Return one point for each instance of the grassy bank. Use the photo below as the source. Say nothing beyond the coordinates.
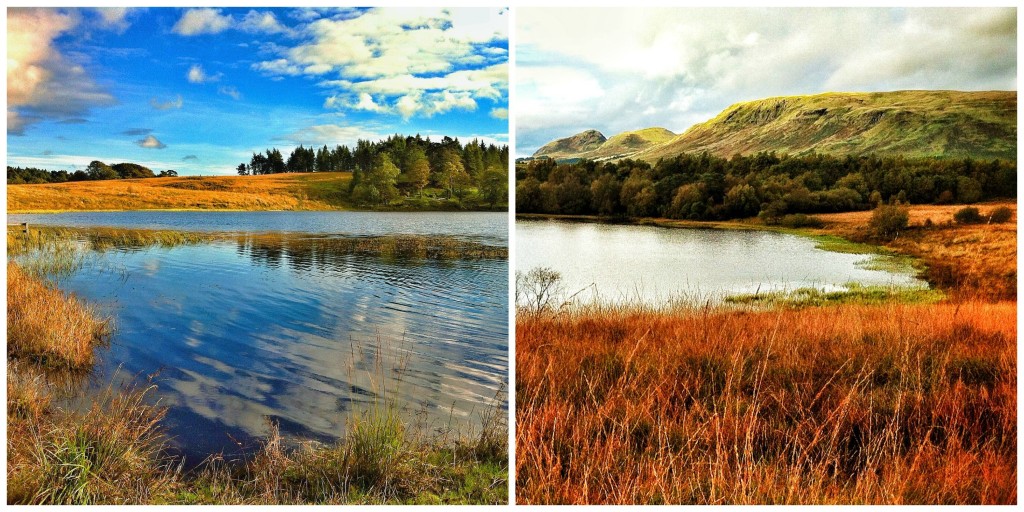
(889, 403)
(288, 191)
(113, 451)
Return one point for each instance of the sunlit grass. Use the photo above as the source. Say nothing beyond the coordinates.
(890, 403)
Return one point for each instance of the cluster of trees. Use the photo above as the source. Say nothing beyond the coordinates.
(385, 170)
(96, 170)
(705, 187)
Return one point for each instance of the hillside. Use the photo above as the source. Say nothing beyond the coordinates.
(952, 124)
(570, 147)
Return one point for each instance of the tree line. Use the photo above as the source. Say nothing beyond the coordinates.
(96, 170)
(769, 185)
(385, 170)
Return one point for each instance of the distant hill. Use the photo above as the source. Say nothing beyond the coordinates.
(572, 147)
(592, 145)
(953, 124)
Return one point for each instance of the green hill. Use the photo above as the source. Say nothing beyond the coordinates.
(951, 124)
(592, 145)
(572, 147)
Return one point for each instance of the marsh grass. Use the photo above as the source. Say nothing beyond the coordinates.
(64, 249)
(885, 404)
(852, 293)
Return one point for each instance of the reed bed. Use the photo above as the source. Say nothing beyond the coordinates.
(880, 404)
(65, 245)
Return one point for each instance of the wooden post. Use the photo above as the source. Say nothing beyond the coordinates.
(24, 227)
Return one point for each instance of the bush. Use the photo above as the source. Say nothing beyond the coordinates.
(888, 220)
(1000, 215)
(968, 215)
(799, 220)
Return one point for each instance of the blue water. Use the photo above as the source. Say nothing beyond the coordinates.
(237, 334)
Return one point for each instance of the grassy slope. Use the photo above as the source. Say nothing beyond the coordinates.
(621, 145)
(912, 123)
(949, 124)
(572, 147)
(850, 403)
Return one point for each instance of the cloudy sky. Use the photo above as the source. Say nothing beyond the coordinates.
(624, 69)
(198, 90)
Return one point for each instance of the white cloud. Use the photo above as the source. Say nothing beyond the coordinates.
(319, 135)
(166, 105)
(114, 18)
(277, 67)
(202, 21)
(499, 113)
(41, 82)
(365, 102)
(483, 83)
(262, 22)
(230, 90)
(196, 75)
(407, 61)
(150, 142)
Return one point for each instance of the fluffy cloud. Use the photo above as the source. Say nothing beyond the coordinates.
(114, 18)
(499, 113)
(196, 75)
(404, 61)
(166, 105)
(41, 82)
(262, 22)
(202, 21)
(621, 69)
(150, 142)
(211, 21)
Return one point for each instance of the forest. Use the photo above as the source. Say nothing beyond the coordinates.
(96, 170)
(383, 170)
(768, 185)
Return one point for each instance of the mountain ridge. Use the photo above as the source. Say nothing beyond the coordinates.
(913, 123)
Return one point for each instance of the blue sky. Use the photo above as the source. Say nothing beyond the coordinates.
(199, 89)
(619, 69)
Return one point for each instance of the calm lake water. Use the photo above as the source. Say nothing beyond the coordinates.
(620, 263)
(235, 333)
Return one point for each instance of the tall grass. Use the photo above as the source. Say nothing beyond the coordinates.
(892, 404)
(48, 327)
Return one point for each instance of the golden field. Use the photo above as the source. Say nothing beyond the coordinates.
(288, 191)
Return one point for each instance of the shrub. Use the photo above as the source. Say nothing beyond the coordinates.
(799, 220)
(1000, 215)
(888, 220)
(968, 215)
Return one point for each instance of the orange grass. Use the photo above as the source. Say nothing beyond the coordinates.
(48, 327)
(891, 404)
(302, 191)
(977, 261)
